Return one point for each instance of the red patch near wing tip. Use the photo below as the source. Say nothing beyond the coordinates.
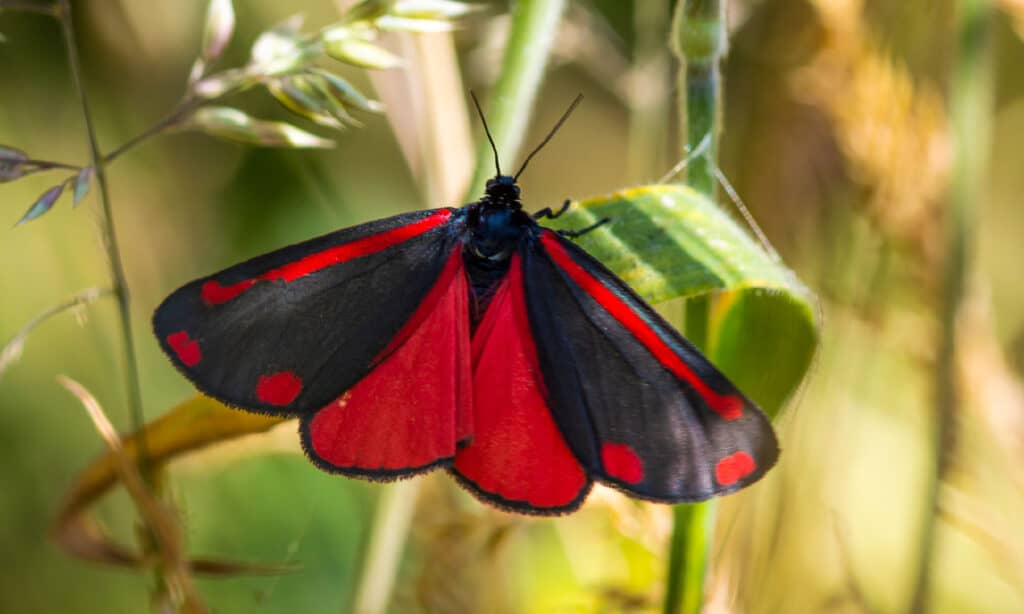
(214, 294)
(278, 388)
(734, 468)
(186, 348)
(621, 461)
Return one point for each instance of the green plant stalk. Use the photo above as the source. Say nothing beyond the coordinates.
(119, 281)
(699, 40)
(533, 27)
(970, 115)
(534, 24)
(648, 102)
(120, 284)
(435, 83)
(392, 520)
(692, 533)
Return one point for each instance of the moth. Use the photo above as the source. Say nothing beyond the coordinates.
(475, 340)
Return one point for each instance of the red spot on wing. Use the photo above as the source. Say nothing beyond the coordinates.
(517, 452)
(416, 403)
(279, 388)
(213, 293)
(187, 349)
(729, 407)
(621, 461)
(734, 468)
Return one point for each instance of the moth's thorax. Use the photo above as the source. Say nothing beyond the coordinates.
(496, 224)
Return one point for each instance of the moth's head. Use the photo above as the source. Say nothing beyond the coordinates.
(502, 189)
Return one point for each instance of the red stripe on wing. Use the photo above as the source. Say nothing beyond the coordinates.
(517, 455)
(729, 407)
(408, 413)
(213, 293)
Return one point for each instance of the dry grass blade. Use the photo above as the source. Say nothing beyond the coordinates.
(853, 586)
(195, 424)
(158, 519)
(982, 527)
(11, 351)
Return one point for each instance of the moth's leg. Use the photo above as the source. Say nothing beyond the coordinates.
(574, 234)
(547, 213)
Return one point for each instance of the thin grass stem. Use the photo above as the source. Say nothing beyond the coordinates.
(534, 24)
(120, 284)
(970, 113)
(699, 40)
(11, 349)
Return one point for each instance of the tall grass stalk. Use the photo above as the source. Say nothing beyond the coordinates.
(970, 114)
(119, 287)
(699, 40)
(534, 23)
(429, 84)
(509, 105)
(119, 280)
(649, 97)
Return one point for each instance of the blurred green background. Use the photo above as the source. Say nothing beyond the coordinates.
(836, 136)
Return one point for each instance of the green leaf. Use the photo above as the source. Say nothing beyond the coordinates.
(220, 24)
(431, 9)
(765, 341)
(280, 49)
(235, 125)
(221, 83)
(671, 241)
(82, 182)
(367, 10)
(309, 96)
(11, 153)
(11, 166)
(358, 52)
(190, 426)
(346, 93)
(43, 204)
(407, 24)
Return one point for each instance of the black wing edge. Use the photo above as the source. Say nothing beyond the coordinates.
(373, 475)
(521, 507)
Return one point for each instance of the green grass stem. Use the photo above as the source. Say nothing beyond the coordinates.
(970, 115)
(699, 40)
(510, 104)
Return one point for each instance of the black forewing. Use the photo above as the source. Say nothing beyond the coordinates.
(323, 329)
(633, 423)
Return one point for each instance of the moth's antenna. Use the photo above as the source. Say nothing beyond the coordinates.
(558, 125)
(497, 167)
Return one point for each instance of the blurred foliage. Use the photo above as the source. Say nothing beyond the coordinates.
(834, 133)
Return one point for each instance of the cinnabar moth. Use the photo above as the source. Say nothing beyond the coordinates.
(476, 340)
